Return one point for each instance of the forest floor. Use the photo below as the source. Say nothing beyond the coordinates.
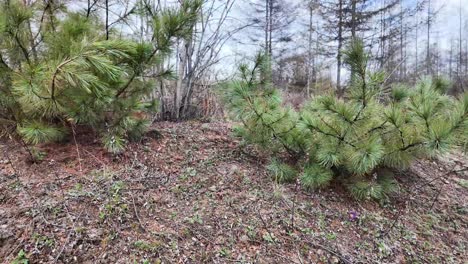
(196, 195)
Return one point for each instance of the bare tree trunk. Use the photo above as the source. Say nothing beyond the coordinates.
(460, 59)
(267, 23)
(383, 41)
(162, 94)
(270, 28)
(353, 19)
(182, 58)
(309, 59)
(436, 56)
(416, 42)
(316, 67)
(428, 49)
(107, 19)
(188, 78)
(466, 67)
(450, 70)
(340, 45)
(402, 34)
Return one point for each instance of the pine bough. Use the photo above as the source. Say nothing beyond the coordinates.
(359, 140)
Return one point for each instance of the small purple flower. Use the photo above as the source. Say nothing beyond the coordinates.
(353, 216)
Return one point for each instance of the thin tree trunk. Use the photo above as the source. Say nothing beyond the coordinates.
(340, 45)
(353, 19)
(270, 49)
(309, 59)
(416, 42)
(402, 57)
(383, 36)
(450, 70)
(107, 19)
(188, 79)
(428, 51)
(460, 59)
(180, 75)
(88, 10)
(267, 23)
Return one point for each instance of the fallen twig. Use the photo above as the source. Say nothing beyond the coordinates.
(136, 213)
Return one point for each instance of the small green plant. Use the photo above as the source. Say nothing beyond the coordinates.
(322, 222)
(114, 206)
(78, 190)
(463, 183)
(224, 252)
(384, 250)
(331, 236)
(147, 246)
(188, 173)
(268, 237)
(43, 240)
(307, 231)
(251, 232)
(195, 219)
(37, 155)
(21, 258)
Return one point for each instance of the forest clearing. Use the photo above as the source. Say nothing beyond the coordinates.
(235, 131)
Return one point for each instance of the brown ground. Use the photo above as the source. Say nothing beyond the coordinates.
(196, 196)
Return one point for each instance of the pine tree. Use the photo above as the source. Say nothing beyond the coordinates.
(79, 75)
(358, 140)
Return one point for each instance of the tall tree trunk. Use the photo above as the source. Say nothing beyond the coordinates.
(428, 48)
(340, 45)
(383, 40)
(450, 66)
(107, 19)
(416, 43)
(88, 9)
(402, 35)
(465, 61)
(310, 65)
(182, 57)
(270, 22)
(460, 59)
(267, 23)
(353, 19)
(188, 79)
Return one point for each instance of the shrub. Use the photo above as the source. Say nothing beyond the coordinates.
(75, 76)
(353, 138)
